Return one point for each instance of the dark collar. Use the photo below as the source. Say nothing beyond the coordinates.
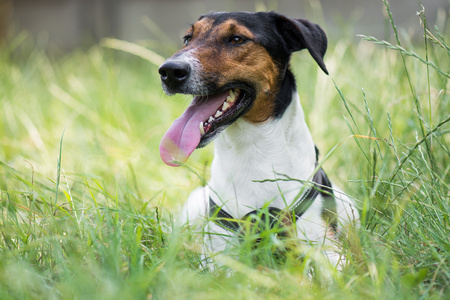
(320, 185)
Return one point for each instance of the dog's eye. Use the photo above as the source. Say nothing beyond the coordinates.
(237, 40)
(187, 39)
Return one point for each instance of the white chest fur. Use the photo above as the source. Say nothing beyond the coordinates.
(246, 153)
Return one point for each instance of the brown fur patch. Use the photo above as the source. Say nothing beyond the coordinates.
(223, 62)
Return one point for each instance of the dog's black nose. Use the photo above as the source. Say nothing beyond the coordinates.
(174, 73)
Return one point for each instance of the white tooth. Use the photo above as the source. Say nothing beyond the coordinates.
(202, 130)
(218, 114)
(231, 99)
(225, 106)
(211, 119)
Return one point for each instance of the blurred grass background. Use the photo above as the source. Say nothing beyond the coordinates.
(87, 206)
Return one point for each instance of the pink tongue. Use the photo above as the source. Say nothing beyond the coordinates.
(184, 135)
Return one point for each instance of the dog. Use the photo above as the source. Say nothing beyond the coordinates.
(237, 67)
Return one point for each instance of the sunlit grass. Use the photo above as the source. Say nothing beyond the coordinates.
(90, 123)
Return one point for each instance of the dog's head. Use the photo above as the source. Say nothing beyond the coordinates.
(234, 64)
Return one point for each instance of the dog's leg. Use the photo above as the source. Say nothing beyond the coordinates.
(195, 215)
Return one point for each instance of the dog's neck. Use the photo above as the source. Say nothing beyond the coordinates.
(246, 152)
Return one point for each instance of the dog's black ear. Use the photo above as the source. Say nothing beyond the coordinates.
(301, 34)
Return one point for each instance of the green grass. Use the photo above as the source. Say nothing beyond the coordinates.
(87, 207)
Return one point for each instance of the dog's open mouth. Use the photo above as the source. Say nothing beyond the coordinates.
(205, 117)
(226, 114)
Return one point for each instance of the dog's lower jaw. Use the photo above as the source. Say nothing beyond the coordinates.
(246, 153)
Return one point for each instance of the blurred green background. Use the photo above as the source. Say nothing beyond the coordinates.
(87, 207)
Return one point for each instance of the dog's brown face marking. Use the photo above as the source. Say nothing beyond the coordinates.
(230, 52)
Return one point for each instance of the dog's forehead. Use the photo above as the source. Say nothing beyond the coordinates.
(251, 23)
